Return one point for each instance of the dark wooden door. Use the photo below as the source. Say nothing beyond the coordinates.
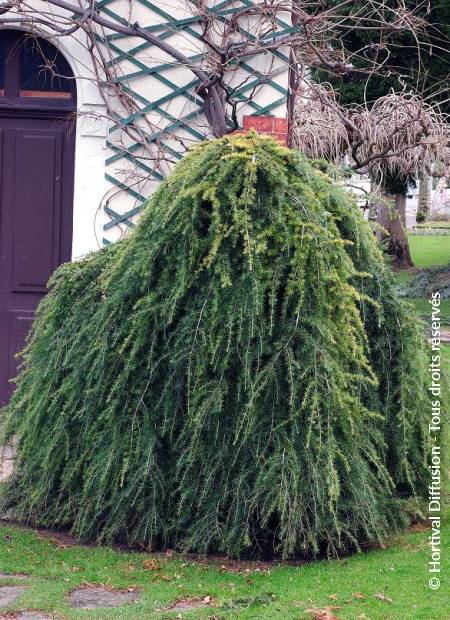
(35, 225)
(37, 143)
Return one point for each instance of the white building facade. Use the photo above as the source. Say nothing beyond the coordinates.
(147, 97)
(93, 118)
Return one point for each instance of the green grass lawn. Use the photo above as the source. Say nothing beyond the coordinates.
(445, 350)
(426, 252)
(404, 276)
(423, 308)
(388, 584)
(430, 251)
(437, 224)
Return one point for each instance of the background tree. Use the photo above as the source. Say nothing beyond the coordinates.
(402, 65)
(401, 59)
(396, 139)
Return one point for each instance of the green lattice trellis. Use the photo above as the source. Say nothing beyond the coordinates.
(161, 72)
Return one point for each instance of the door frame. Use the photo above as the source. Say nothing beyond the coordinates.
(91, 187)
(61, 110)
(23, 111)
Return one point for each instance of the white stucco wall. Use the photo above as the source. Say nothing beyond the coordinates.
(90, 153)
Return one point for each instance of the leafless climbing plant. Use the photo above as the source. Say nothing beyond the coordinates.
(231, 47)
(244, 33)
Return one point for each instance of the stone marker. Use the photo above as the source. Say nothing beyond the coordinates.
(28, 615)
(8, 594)
(91, 598)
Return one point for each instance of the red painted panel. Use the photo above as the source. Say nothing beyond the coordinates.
(268, 125)
(263, 124)
(280, 125)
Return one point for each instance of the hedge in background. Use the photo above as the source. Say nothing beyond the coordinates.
(236, 376)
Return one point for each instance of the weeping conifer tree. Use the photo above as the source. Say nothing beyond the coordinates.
(236, 376)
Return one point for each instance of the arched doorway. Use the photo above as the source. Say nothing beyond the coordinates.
(37, 145)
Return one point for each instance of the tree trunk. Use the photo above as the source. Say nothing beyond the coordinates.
(392, 218)
(293, 82)
(423, 208)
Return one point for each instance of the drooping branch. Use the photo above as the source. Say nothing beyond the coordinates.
(398, 135)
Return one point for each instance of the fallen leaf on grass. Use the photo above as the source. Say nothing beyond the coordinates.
(383, 597)
(323, 614)
(91, 584)
(151, 565)
(358, 595)
(59, 539)
(188, 604)
(56, 542)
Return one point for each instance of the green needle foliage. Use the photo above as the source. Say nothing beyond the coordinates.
(236, 376)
